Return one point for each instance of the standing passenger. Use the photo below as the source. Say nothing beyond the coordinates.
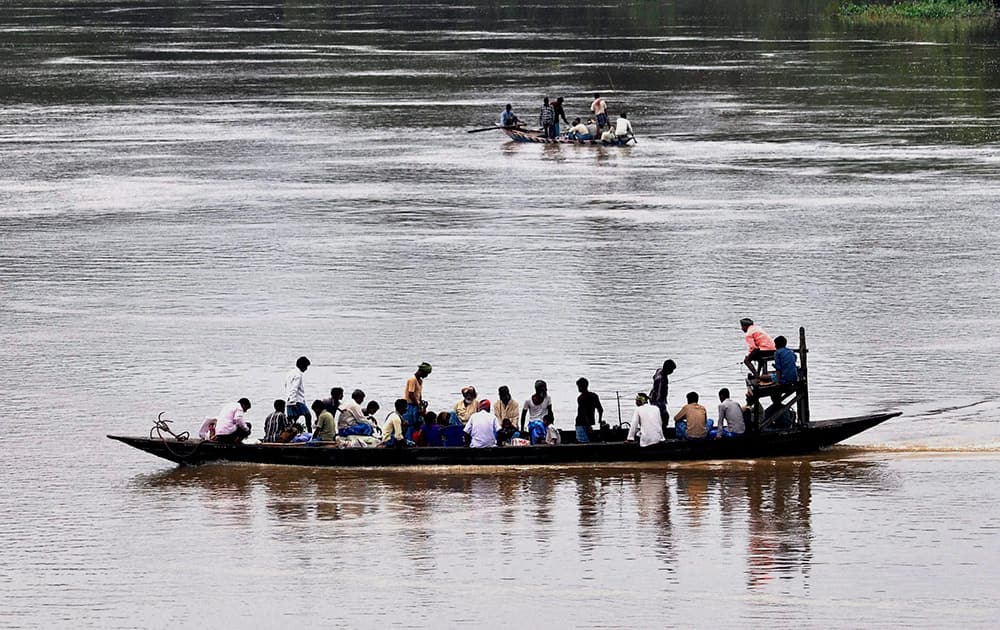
(586, 403)
(482, 427)
(505, 407)
(559, 112)
(661, 385)
(295, 393)
(414, 397)
(646, 422)
(600, 109)
(538, 405)
(547, 119)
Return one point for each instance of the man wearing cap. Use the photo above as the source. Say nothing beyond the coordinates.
(758, 342)
(646, 422)
(482, 427)
(295, 394)
(414, 396)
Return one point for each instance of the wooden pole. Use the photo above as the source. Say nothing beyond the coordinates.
(803, 396)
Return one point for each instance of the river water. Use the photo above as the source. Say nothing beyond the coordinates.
(192, 195)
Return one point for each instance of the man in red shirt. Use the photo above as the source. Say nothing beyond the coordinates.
(758, 342)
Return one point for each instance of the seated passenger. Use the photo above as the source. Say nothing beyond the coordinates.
(466, 407)
(231, 428)
(482, 427)
(578, 131)
(276, 422)
(351, 412)
(623, 128)
(609, 137)
(507, 431)
(552, 435)
(758, 343)
(370, 410)
(646, 422)
(731, 422)
(505, 407)
(432, 429)
(592, 129)
(392, 433)
(326, 426)
(694, 416)
(333, 402)
(207, 430)
(785, 372)
(537, 406)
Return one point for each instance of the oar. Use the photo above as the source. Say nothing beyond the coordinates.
(493, 128)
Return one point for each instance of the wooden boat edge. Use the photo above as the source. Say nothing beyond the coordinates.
(819, 435)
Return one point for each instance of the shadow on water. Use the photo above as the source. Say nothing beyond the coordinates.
(761, 508)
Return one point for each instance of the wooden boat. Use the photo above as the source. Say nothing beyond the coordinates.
(519, 134)
(801, 436)
(792, 442)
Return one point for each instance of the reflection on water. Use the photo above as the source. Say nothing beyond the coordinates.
(758, 511)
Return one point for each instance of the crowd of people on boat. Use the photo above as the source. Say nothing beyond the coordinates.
(597, 127)
(478, 422)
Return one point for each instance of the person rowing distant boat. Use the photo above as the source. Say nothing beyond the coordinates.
(508, 118)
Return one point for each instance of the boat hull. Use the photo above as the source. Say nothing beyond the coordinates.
(819, 435)
(536, 137)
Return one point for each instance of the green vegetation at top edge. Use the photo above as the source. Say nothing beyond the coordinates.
(915, 9)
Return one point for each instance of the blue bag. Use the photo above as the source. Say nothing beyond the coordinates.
(536, 431)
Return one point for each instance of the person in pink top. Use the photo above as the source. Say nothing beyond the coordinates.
(758, 342)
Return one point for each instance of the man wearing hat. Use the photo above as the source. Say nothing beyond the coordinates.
(758, 342)
(414, 396)
(482, 427)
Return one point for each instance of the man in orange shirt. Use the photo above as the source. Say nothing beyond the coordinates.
(758, 342)
(695, 416)
(414, 396)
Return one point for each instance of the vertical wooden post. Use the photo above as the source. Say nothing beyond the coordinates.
(803, 397)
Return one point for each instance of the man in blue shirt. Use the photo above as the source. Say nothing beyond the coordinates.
(784, 363)
(507, 117)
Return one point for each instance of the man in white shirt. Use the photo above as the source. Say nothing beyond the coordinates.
(646, 422)
(230, 427)
(623, 128)
(295, 394)
(482, 427)
(730, 416)
(351, 412)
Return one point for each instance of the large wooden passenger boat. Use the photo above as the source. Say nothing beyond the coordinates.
(799, 436)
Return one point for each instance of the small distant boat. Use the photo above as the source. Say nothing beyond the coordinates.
(800, 437)
(519, 134)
